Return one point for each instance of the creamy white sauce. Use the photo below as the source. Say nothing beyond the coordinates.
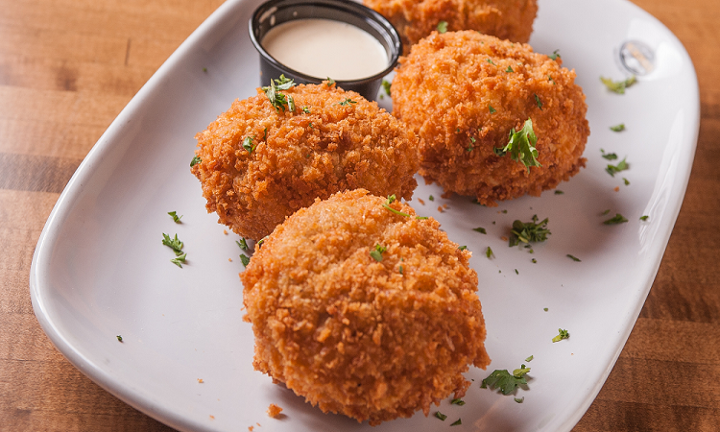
(325, 48)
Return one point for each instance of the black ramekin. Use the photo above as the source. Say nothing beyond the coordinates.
(274, 12)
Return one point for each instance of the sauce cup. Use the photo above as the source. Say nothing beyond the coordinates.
(275, 12)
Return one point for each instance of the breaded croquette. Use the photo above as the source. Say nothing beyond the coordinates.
(465, 93)
(260, 161)
(416, 19)
(364, 309)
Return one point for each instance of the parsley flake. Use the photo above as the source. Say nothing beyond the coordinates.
(529, 359)
(617, 219)
(563, 334)
(179, 259)
(622, 166)
(440, 415)
(245, 259)
(347, 101)
(626, 181)
(248, 143)
(644, 218)
(618, 86)
(442, 27)
(503, 380)
(462, 248)
(534, 261)
(386, 86)
(573, 258)
(456, 422)
(491, 109)
(175, 244)
(509, 69)
(305, 109)
(522, 146)
(533, 231)
(618, 128)
(481, 230)
(242, 243)
(545, 309)
(175, 217)
(555, 55)
(550, 78)
(519, 400)
(376, 253)
(457, 401)
(400, 269)
(431, 198)
(196, 160)
(490, 61)
(559, 192)
(330, 81)
(471, 146)
(489, 253)
(608, 156)
(537, 100)
(119, 338)
(277, 99)
(605, 212)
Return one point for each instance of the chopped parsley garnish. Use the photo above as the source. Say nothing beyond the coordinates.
(442, 27)
(618, 86)
(538, 101)
(517, 272)
(559, 192)
(440, 415)
(386, 86)
(545, 309)
(400, 269)
(265, 133)
(242, 243)
(506, 382)
(489, 253)
(431, 198)
(555, 55)
(457, 401)
(622, 166)
(248, 143)
(617, 219)
(330, 81)
(481, 230)
(391, 199)
(261, 241)
(608, 156)
(644, 218)
(175, 217)
(519, 400)
(179, 259)
(175, 244)
(245, 259)
(277, 99)
(490, 61)
(534, 261)
(305, 109)
(573, 258)
(456, 422)
(471, 146)
(347, 101)
(529, 359)
(377, 252)
(509, 69)
(492, 110)
(119, 338)
(529, 232)
(204, 69)
(522, 146)
(550, 78)
(563, 334)
(462, 248)
(618, 128)
(196, 160)
(626, 181)
(605, 212)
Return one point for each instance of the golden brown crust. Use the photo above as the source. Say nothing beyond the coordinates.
(444, 90)
(357, 336)
(300, 156)
(416, 19)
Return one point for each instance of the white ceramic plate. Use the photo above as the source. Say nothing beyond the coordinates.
(100, 269)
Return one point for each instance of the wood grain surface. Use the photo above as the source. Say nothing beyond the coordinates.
(67, 68)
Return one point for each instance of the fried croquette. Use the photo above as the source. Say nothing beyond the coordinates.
(364, 311)
(463, 93)
(259, 162)
(414, 20)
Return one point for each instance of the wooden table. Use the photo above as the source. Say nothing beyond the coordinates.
(67, 68)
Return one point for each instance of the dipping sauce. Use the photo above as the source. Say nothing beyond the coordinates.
(324, 48)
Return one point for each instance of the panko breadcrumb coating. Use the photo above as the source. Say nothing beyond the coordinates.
(463, 93)
(260, 164)
(370, 339)
(416, 19)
